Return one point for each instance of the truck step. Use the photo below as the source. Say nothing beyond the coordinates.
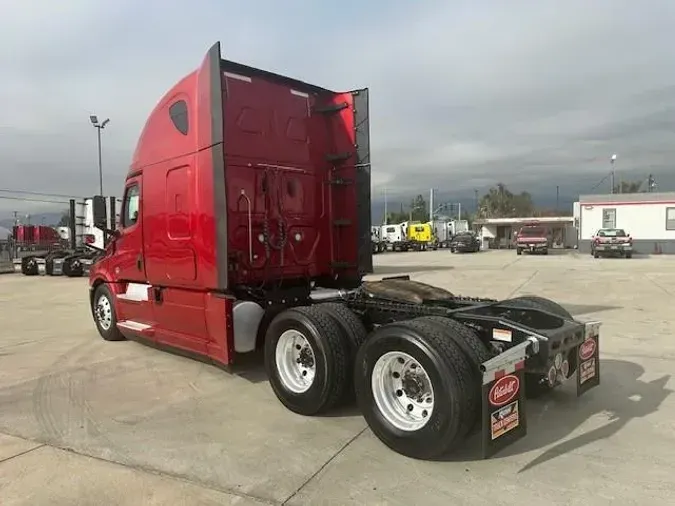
(144, 329)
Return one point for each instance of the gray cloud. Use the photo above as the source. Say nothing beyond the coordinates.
(463, 94)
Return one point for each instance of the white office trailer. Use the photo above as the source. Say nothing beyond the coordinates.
(649, 218)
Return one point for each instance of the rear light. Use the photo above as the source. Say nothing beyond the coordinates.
(89, 239)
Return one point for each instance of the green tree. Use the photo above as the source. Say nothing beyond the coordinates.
(65, 220)
(418, 209)
(499, 202)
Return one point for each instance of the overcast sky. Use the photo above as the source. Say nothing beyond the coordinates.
(463, 94)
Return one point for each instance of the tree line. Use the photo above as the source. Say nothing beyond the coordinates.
(497, 202)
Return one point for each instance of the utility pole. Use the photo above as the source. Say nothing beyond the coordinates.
(99, 126)
(431, 205)
(386, 222)
(557, 198)
(612, 160)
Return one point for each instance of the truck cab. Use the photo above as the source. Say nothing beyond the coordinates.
(246, 189)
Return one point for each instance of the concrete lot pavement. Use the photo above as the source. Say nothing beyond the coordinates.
(83, 421)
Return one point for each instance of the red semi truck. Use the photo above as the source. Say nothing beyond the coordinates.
(245, 225)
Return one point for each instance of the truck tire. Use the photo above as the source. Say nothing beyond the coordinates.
(354, 334)
(466, 338)
(536, 385)
(29, 266)
(306, 360)
(429, 414)
(474, 351)
(103, 311)
(72, 267)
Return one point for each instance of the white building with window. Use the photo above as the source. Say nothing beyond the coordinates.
(649, 218)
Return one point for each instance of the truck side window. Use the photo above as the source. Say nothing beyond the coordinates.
(179, 116)
(131, 201)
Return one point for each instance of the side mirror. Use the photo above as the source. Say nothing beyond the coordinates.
(100, 211)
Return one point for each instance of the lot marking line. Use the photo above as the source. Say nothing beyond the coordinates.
(523, 284)
(23, 452)
(323, 466)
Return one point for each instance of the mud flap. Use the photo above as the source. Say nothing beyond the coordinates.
(503, 418)
(588, 358)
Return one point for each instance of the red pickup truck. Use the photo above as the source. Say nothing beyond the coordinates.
(533, 239)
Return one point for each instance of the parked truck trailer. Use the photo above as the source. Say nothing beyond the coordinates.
(69, 251)
(230, 242)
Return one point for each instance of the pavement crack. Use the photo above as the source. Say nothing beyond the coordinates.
(145, 469)
(23, 453)
(324, 465)
(659, 286)
(523, 284)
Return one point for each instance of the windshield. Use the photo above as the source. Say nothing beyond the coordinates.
(612, 232)
(532, 232)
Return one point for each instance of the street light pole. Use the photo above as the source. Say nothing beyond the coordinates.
(612, 160)
(99, 126)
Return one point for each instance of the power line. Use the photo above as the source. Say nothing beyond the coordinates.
(601, 181)
(39, 194)
(26, 199)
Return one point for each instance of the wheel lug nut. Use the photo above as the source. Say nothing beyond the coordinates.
(413, 366)
(429, 400)
(399, 393)
(400, 360)
(298, 347)
(410, 407)
(304, 373)
(396, 375)
(424, 413)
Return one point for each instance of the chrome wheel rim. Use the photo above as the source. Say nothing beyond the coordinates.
(295, 361)
(402, 391)
(104, 312)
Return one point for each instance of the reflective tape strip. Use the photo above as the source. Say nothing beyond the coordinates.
(491, 376)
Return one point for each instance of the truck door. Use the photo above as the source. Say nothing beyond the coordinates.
(129, 261)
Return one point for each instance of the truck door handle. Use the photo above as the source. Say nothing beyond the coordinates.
(139, 262)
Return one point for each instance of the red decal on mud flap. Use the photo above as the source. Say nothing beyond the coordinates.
(504, 419)
(586, 371)
(504, 390)
(587, 349)
(588, 375)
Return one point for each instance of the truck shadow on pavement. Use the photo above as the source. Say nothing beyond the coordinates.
(387, 270)
(620, 398)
